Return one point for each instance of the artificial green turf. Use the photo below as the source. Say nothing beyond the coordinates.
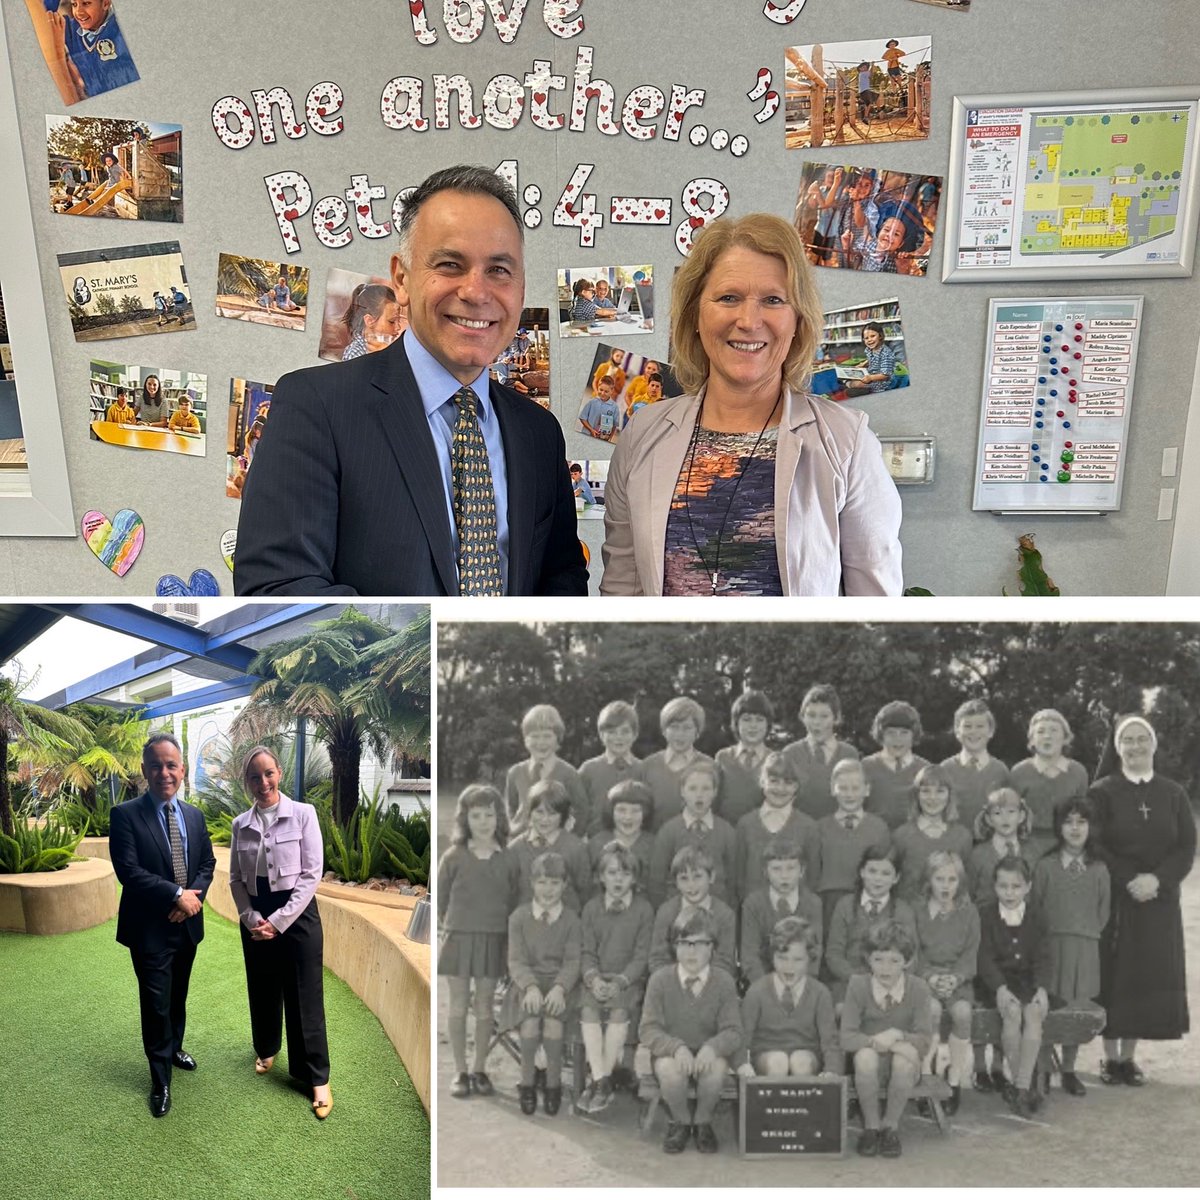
(74, 1124)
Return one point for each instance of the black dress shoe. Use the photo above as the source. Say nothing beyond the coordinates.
(183, 1060)
(706, 1139)
(160, 1102)
(481, 1084)
(677, 1138)
(1072, 1084)
(1132, 1073)
(982, 1082)
(527, 1098)
(552, 1101)
(1112, 1071)
(460, 1089)
(950, 1106)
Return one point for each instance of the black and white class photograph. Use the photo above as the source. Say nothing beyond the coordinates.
(766, 904)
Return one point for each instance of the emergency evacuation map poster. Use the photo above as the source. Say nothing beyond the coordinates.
(1072, 190)
(1057, 392)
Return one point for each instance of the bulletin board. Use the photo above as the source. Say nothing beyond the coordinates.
(1057, 401)
(625, 126)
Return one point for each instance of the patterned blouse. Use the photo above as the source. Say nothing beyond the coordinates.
(717, 524)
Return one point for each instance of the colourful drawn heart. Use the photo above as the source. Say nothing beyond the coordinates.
(201, 583)
(116, 543)
(228, 546)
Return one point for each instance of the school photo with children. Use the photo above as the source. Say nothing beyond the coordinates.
(914, 892)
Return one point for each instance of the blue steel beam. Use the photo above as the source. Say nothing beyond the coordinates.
(231, 689)
(162, 630)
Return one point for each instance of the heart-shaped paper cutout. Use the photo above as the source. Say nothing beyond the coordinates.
(116, 543)
(202, 583)
(228, 546)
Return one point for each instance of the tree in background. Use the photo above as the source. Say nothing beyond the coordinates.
(488, 675)
(349, 690)
(32, 725)
(88, 139)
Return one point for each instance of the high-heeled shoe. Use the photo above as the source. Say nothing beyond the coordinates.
(322, 1108)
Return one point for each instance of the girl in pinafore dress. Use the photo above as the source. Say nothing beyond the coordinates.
(476, 883)
(1071, 886)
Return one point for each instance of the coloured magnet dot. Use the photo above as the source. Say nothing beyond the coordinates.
(1068, 444)
(1068, 456)
(1037, 458)
(1066, 424)
(1077, 354)
(1064, 477)
(1038, 413)
(1045, 479)
(1065, 346)
(1072, 382)
(1046, 338)
(1071, 399)
(1040, 425)
(1053, 392)
(1079, 337)
(1058, 329)
(1045, 349)
(1078, 324)
(1054, 362)
(1053, 370)
(1034, 446)
(1041, 379)
(1060, 413)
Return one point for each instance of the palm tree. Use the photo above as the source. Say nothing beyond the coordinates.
(326, 677)
(33, 725)
(110, 748)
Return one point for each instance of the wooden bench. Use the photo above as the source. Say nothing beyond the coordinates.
(650, 1095)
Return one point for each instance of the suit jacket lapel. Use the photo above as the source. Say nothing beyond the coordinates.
(402, 417)
(522, 498)
(154, 827)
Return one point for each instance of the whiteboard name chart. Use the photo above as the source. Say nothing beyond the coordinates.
(1057, 393)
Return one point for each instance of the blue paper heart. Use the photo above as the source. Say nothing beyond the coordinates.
(201, 583)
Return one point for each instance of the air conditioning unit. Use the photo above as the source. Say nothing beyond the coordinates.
(177, 610)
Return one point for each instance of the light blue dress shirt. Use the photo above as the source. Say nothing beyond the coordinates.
(437, 387)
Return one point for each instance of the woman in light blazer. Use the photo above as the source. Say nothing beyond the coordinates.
(276, 861)
(749, 486)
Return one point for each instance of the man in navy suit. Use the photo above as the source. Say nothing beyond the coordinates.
(350, 490)
(164, 859)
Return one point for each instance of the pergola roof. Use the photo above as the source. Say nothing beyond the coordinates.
(219, 650)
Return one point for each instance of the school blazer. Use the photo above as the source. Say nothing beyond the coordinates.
(837, 511)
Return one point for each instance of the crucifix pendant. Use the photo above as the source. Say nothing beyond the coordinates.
(1144, 811)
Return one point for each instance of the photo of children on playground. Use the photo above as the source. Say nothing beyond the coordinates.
(866, 219)
(249, 407)
(267, 293)
(849, 93)
(108, 167)
(861, 352)
(126, 291)
(145, 407)
(524, 364)
(361, 315)
(618, 384)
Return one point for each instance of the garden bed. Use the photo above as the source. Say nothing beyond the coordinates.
(80, 896)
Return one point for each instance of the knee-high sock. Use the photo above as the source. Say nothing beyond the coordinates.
(529, 1047)
(960, 1060)
(614, 1045)
(1027, 1058)
(554, 1061)
(593, 1044)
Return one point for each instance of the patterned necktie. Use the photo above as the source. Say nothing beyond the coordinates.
(692, 983)
(474, 503)
(178, 863)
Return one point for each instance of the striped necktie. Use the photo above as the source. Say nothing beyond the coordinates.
(474, 502)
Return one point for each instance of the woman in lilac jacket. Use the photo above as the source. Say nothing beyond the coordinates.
(276, 861)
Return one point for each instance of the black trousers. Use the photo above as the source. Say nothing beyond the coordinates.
(284, 982)
(163, 977)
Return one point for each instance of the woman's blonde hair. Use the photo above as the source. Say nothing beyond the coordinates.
(248, 762)
(766, 234)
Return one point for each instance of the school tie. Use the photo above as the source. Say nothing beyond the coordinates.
(781, 907)
(474, 502)
(873, 909)
(788, 1001)
(692, 983)
(1076, 867)
(544, 917)
(1014, 847)
(849, 822)
(889, 1002)
(178, 863)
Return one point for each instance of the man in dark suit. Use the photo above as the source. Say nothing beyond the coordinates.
(164, 859)
(355, 487)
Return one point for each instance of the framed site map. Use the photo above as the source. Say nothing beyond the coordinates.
(1075, 185)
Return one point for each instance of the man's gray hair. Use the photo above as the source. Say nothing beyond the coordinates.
(162, 736)
(464, 177)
